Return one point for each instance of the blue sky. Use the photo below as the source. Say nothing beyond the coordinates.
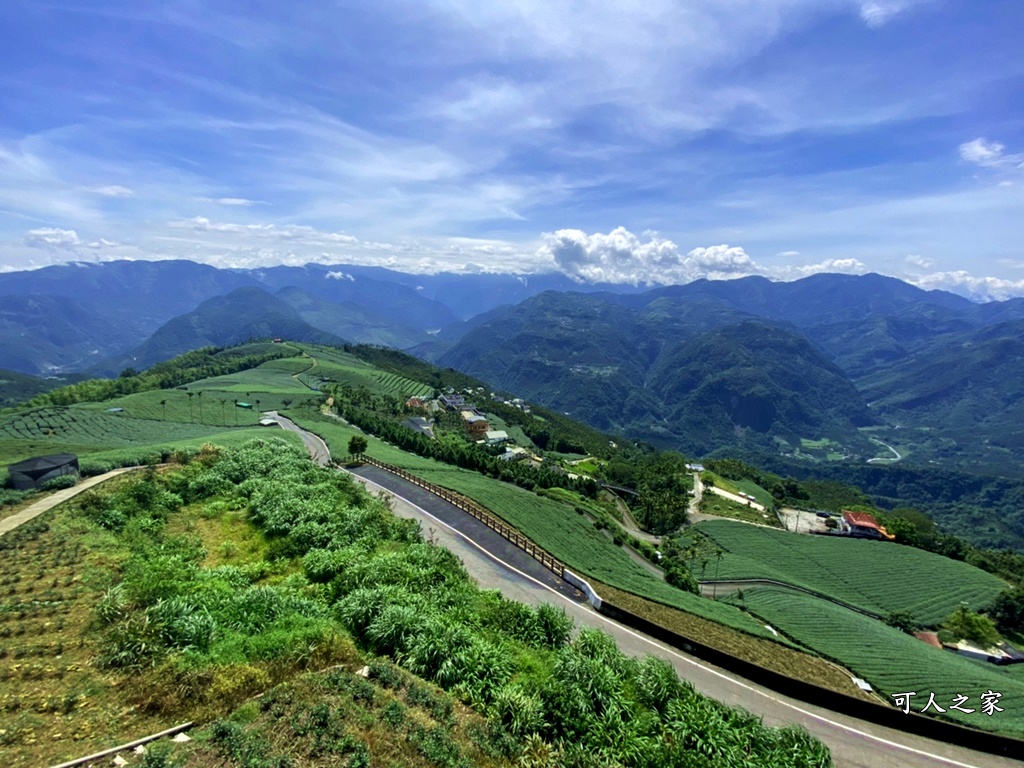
(656, 142)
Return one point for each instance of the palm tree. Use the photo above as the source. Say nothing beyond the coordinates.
(223, 402)
(236, 411)
(200, 393)
(164, 404)
(190, 405)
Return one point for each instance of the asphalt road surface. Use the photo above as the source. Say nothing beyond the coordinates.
(854, 743)
(317, 448)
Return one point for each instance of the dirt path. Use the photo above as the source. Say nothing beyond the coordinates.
(631, 526)
(45, 505)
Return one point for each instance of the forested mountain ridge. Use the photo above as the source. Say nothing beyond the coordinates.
(882, 341)
(245, 313)
(692, 375)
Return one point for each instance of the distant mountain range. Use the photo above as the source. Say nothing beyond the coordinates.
(707, 366)
(749, 362)
(82, 315)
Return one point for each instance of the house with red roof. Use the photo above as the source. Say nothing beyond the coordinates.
(863, 525)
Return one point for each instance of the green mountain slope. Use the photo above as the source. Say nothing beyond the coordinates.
(245, 313)
(694, 374)
(351, 321)
(753, 376)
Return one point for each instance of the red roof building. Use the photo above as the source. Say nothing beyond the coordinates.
(863, 524)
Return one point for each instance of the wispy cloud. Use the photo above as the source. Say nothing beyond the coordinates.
(111, 190)
(772, 126)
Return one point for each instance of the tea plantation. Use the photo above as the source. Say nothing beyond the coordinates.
(893, 662)
(879, 577)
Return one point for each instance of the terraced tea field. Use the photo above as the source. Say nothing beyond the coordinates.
(893, 662)
(276, 376)
(85, 429)
(556, 527)
(212, 408)
(876, 576)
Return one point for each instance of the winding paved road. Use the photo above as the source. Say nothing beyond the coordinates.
(854, 743)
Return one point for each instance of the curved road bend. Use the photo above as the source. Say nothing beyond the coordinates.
(317, 448)
(854, 743)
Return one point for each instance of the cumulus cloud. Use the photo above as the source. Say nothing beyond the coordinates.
(53, 239)
(337, 275)
(623, 257)
(923, 262)
(848, 266)
(966, 284)
(618, 257)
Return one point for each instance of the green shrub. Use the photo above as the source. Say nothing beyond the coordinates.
(60, 483)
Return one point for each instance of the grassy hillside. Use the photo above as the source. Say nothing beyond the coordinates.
(877, 576)
(216, 586)
(893, 662)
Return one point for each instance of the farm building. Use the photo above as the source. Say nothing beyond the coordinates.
(32, 473)
(863, 525)
(453, 402)
(476, 424)
(496, 436)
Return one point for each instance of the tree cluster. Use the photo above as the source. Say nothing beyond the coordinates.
(198, 364)
(367, 417)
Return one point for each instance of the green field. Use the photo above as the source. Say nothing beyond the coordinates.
(276, 376)
(157, 418)
(742, 487)
(555, 526)
(333, 366)
(713, 504)
(876, 576)
(893, 662)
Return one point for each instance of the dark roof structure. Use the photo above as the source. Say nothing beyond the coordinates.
(32, 473)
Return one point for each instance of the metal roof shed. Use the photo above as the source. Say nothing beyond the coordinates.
(32, 473)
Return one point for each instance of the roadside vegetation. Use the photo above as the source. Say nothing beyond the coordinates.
(219, 579)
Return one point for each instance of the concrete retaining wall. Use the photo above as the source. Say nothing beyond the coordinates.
(581, 584)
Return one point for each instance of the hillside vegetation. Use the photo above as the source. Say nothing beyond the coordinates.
(893, 662)
(875, 576)
(222, 578)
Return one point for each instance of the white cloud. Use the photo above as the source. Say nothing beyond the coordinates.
(339, 276)
(240, 202)
(51, 238)
(920, 261)
(788, 254)
(876, 13)
(848, 266)
(982, 151)
(966, 284)
(111, 190)
(623, 257)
